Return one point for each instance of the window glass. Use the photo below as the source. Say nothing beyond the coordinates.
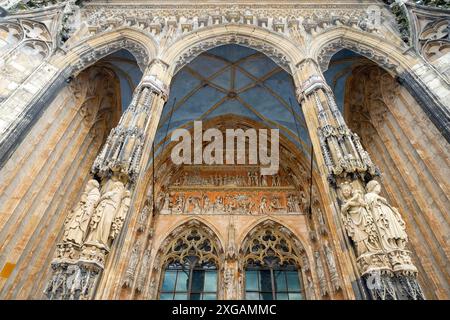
(210, 281)
(169, 280)
(251, 280)
(293, 280)
(282, 283)
(189, 282)
(182, 280)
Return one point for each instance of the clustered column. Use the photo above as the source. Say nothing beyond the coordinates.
(377, 230)
(97, 219)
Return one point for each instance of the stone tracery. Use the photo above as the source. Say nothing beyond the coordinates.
(285, 197)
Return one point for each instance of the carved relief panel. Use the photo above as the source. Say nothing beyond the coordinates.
(230, 190)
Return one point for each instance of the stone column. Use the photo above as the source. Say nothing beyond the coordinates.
(96, 221)
(230, 271)
(376, 229)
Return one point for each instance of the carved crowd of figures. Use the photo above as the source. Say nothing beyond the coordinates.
(251, 179)
(228, 203)
(91, 226)
(376, 228)
(98, 217)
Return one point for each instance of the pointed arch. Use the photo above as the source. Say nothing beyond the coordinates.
(270, 245)
(277, 47)
(191, 238)
(193, 222)
(89, 51)
(296, 248)
(392, 57)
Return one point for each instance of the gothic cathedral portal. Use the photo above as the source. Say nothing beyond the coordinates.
(235, 150)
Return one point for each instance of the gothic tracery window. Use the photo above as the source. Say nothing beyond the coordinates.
(272, 269)
(191, 266)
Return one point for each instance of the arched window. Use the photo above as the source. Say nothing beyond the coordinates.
(191, 265)
(272, 268)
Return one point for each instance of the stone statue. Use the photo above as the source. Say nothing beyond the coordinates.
(206, 205)
(304, 203)
(263, 180)
(165, 204)
(121, 214)
(322, 225)
(102, 219)
(195, 201)
(78, 222)
(388, 220)
(276, 180)
(218, 206)
(332, 267)
(321, 274)
(142, 221)
(179, 205)
(310, 287)
(295, 204)
(144, 270)
(263, 206)
(275, 205)
(305, 262)
(132, 264)
(229, 282)
(358, 221)
(231, 248)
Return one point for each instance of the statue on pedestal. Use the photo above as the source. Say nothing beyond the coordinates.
(78, 221)
(102, 219)
(389, 222)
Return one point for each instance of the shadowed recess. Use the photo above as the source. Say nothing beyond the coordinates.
(233, 80)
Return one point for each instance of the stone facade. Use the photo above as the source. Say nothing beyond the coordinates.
(89, 211)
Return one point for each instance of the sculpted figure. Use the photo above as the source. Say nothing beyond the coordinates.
(388, 220)
(358, 221)
(276, 180)
(218, 205)
(142, 221)
(78, 222)
(310, 287)
(132, 263)
(275, 205)
(206, 205)
(229, 283)
(334, 277)
(304, 203)
(195, 201)
(321, 274)
(102, 219)
(179, 205)
(165, 204)
(121, 214)
(263, 206)
(264, 180)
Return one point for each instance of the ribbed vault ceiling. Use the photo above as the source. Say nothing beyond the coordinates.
(234, 80)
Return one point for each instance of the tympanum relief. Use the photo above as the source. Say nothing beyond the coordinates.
(230, 190)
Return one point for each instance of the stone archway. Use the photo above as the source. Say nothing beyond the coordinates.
(47, 173)
(384, 115)
(191, 237)
(276, 47)
(404, 65)
(271, 237)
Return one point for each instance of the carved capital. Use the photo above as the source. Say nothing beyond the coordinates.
(155, 85)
